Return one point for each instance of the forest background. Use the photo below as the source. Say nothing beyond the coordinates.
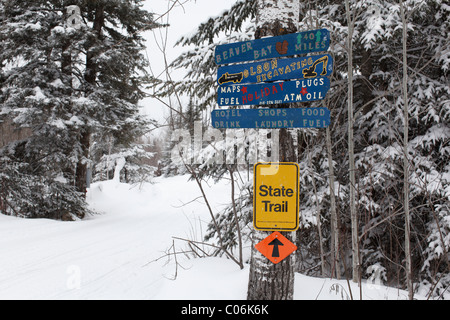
(370, 184)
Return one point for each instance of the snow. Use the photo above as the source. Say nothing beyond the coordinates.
(39, 95)
(120, 252)
(119, 166)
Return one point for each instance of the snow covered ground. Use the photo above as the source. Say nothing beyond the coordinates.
(119, 252)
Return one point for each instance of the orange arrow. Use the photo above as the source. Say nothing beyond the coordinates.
(276, 247)
(275, 243)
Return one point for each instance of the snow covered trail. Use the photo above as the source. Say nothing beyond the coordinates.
(105, 256)
(111, 255)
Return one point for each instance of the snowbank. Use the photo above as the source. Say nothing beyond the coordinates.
(120, 252)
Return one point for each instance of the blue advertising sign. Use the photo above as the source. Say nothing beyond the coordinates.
(273, 47)
(274, 93)
(277, 69)
(275, 118)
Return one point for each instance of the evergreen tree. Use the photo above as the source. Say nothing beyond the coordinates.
(381, 127)
(378, 125)
(378, 136)
(67, 72)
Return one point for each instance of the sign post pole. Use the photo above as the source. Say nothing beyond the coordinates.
(262, 72)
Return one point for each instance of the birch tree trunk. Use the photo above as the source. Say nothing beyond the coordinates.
(334, 218)
(90, 76)
(405, 160)
(268, 281)
(319, 224)
(353, 213)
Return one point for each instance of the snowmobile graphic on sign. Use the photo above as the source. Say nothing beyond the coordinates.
(227, 78)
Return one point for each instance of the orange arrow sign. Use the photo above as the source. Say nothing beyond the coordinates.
(276, 247)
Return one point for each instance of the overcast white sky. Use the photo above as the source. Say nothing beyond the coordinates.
(184, 18)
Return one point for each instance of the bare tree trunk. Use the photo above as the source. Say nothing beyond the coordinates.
(81, 170)
(90, 77)
(334, 218)
(270, 281)
(405, 161)
(236, 218)
(319, 224)
(353, 213)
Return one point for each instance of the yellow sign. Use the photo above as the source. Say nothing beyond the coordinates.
(276, 196)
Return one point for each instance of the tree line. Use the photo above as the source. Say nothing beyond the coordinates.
(71, 78)
(375, 184)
